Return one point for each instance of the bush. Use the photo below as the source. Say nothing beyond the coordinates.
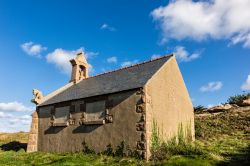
(86, 148)
(109, 150)
(199, 109)
(14, 145)
(120, 150)
(238, 99)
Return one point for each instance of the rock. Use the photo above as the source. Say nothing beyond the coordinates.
(246, 102)
(235, 106)
(219, 108)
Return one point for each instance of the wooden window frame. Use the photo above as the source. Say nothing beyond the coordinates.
(107, 117)
(68, 121)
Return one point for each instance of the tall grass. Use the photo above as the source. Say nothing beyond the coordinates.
(180, 144)
(155, 138)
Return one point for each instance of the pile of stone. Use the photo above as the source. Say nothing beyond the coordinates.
(226, 107)
(245, 102)
(220, 108)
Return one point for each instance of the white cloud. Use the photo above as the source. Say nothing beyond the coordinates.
(5, 115)
(107, 27)
(90, 54)
(246, 85)
(183, 56)
(33, 49)
(241, 38)
(61, 58)
(155, 56)
(14, 117)
(22, 120)
(211, 86)
(112, 59)
(128, 63)
(199, 20)
(15, 107)
(14, 122)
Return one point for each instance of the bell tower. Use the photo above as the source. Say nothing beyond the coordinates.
(80, 68)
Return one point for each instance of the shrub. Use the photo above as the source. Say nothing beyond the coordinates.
(238, 99)
(109, 150)
(14, 145)
(86, 148)
(120, 150)
(199, 109)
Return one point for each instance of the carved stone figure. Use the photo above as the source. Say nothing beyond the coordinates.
(71, 120)
(82, 119)
(52, 120)
(38, 96)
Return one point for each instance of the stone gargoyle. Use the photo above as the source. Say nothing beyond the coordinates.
(38, 96)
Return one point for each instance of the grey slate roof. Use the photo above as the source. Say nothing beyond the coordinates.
(119, 80)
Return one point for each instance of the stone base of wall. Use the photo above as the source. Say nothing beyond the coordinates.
(33, 135)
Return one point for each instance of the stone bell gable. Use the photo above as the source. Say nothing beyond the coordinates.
(115, 107)
(80, 68)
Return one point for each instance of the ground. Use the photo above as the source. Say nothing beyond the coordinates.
(222, 139)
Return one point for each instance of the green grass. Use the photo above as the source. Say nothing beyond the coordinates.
(223, 139)
(54, 159)
(226, 137)
(9, 137)
(39, 158)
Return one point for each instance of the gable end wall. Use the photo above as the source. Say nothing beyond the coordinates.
(168, 103)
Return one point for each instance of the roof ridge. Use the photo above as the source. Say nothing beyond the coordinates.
(105, 85)
(137, 64)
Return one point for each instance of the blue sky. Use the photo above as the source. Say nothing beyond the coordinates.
(211, 40)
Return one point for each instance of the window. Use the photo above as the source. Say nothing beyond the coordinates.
(61, 116)
(95, 112)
